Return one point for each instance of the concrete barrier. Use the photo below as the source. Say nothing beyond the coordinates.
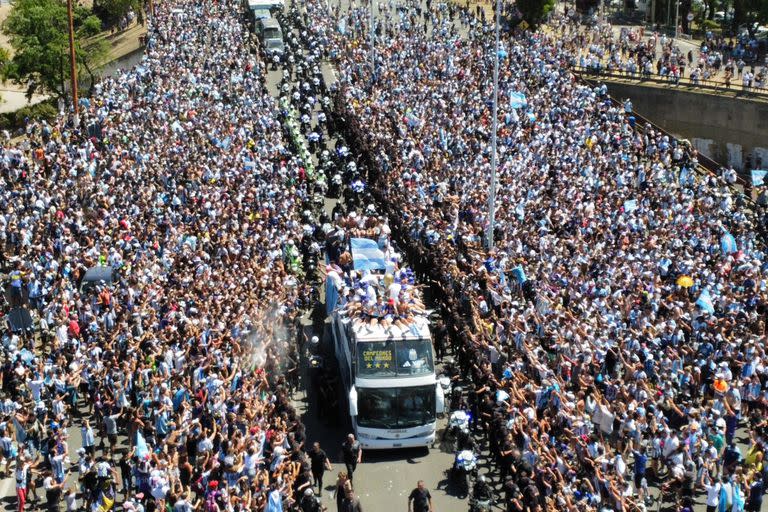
(732, 131)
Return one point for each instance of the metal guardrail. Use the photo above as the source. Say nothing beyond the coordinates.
(701, 86)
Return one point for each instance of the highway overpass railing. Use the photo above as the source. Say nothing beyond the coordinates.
(682, 83)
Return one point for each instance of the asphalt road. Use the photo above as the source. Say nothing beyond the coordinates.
(385, 478)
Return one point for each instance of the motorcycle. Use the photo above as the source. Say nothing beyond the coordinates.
(334, 190)
(445, 383)
(478, 505)
(464, 467)
(457, 400)
(482, 496)
(457, 428)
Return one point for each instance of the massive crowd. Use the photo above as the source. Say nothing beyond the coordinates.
(171, 373)
(613, 335)
(716, 61)
(615, 332)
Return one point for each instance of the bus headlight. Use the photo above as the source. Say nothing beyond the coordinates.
(364, 436)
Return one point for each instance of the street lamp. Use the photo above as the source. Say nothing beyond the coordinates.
(495, 124)
(677, 15)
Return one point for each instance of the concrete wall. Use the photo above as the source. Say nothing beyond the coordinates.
(731, 131)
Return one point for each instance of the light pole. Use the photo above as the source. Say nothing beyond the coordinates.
(495, 127)
(72, 62)
(677, 15)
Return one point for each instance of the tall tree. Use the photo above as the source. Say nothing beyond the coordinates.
(38, 32)
(112, 11)
(535, 11)
(749, 12)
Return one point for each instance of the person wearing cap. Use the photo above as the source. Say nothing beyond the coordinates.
(309, 502)
(717, 439)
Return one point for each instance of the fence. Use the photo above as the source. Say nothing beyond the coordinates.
(700, 85)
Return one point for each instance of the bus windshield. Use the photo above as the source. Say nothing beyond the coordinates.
(395, 408)
(400, 358)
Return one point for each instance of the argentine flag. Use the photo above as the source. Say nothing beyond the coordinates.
(758, 177)
(519, 274)
(141, 446)
(630, 205)
(728, 243)
(366, 255)
(705, 302)
(517, 100)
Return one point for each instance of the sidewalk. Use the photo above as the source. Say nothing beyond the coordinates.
(126, 41)
(122, 43)
(684, 45)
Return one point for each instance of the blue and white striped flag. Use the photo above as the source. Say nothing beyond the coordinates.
(519, 274)
(728, 243)
(142, 450)
(705, 302)
(630, 205)
(758, 177)
(517, 100)
(366, 254)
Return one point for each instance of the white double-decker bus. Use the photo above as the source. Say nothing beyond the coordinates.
(390, 380)
(389, 376)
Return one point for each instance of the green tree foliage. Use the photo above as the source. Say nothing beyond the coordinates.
(750, 11)
(112, 11)
(38, 32)
(535, 11)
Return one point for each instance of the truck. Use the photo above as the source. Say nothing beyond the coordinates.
(271, 36)
(257, 10)
(257, 5)
(387, 372)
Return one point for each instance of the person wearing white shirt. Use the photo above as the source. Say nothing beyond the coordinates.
(71, 500)
(35, 386)
(712, 486)
(671, 443)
